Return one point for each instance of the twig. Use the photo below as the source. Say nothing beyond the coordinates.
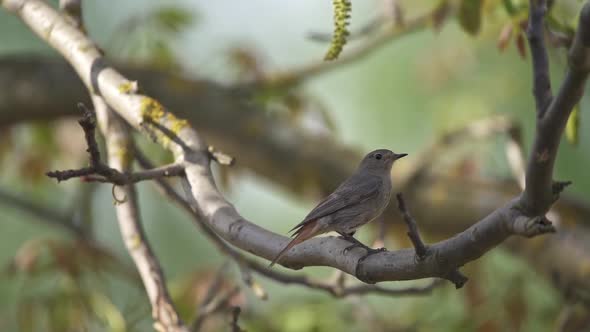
(73, 11)
(256, 288)
(52, 217)
(454, 275)
(104, 172)
(234, 321)
(207, 306)
(220, 157)
(421, 249)
(43, 213)
(298, 75)
(541, 81)
(475, 130)
(364, 31)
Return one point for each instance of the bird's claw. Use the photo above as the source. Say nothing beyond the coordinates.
(370, 251)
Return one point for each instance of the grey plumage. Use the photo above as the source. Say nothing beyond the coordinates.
(358, 200)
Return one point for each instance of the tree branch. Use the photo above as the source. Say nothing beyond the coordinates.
(421, 249)
(510, 219)
(297, 75)
(538, 194)
(43, 213)
(329, 287)
(118, 149)
(108, 174)
(541, 82)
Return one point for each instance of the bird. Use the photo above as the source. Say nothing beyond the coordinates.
(358, 200)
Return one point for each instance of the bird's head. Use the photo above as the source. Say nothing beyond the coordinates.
(380, 160)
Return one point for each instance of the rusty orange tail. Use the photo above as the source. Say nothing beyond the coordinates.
(306, 231)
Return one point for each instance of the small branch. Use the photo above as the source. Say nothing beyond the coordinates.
(335, 288)
(52, 217)
(254, 286)
(106, 173)
(365, 30)
(43, 213)
(541, 81)
(476, 130)
(220, 157)
(208, 306)
(119, 146)
(421, 249)
(72, 9)
(120, 179)
(299, 75)
(234, 321)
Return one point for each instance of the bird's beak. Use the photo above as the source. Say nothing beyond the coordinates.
(399, 156)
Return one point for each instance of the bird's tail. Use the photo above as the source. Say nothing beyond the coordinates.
(306, 231)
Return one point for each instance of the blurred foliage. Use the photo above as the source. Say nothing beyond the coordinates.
(148, 36)
(470, 16)
(415, 89)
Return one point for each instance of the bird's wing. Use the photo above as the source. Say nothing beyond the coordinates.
(353, 191)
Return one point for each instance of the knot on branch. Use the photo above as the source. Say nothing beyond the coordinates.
(532, 226)
(457, 278)
(220, 157)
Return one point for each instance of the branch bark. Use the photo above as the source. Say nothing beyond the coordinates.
(118, 142)
(514, 218)
(552, 113)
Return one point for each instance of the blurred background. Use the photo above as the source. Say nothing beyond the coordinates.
(446, 81)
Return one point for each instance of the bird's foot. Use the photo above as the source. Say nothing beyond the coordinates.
(356, 243)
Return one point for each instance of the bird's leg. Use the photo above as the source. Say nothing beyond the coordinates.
(356, 243)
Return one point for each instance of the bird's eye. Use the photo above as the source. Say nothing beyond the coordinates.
(378, 156)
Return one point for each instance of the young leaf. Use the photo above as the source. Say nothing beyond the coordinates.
(505, 36)
(470, 16)
(573, 124)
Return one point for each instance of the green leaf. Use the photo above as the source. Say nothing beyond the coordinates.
(573, 124)
(470, 16)
(509, 7)
(173, 19)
